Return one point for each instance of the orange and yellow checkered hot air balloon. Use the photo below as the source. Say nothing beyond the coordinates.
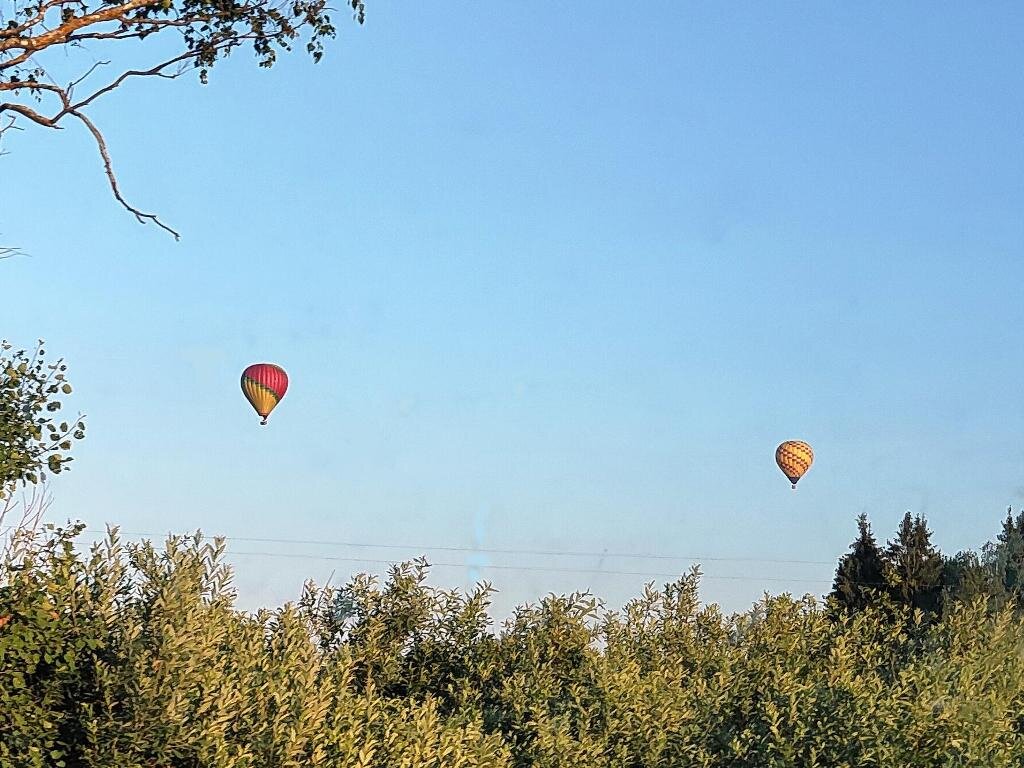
(264, 384)
(794, 458)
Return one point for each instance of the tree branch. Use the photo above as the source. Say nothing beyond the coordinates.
(18, 29)
(62, 32)
(29, 113)
(109, 168)
(154, 71)
(210, 30)
(84, 77)
(10, 126)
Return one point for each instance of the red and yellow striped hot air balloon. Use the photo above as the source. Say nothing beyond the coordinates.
(794, 458)
(264, 384)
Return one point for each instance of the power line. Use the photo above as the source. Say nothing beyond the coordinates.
(297, 555)
(559, 553)
(449, 548)
(703, 576)
(674, 575)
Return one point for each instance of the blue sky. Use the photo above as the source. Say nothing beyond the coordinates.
(549, 278)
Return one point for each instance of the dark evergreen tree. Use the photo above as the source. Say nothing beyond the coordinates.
(914, 567)
(860, 577)
(1011, 544)
(966, 576)
(1005, 559)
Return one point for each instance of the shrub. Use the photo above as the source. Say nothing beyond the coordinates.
(131, 656)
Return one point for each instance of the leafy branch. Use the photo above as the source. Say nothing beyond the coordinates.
(207, 30)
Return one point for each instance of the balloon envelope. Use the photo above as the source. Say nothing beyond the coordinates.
(794, 458)
(264, 384)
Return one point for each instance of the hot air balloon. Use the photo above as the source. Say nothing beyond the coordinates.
(794, 459)
(264, 384)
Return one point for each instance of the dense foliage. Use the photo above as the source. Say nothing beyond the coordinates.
(130, 656)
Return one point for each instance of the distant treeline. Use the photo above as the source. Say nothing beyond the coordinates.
(912, 572)
(132, 656)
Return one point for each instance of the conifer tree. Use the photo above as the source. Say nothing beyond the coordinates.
(1004, 559)
(860, 576)
(914, 567)
(966, 577)
(1011, 554)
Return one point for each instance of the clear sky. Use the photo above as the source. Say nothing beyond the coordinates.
(549, 277)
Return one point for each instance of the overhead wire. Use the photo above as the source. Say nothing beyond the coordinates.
(603, 572)
(555, 569)
(490, 550)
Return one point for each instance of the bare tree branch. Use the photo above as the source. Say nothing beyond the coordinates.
(79, 81)
(154, 71)
(11, 125)
(109, 167)
(28, 112)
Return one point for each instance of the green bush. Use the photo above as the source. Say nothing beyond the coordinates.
(134, 657)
